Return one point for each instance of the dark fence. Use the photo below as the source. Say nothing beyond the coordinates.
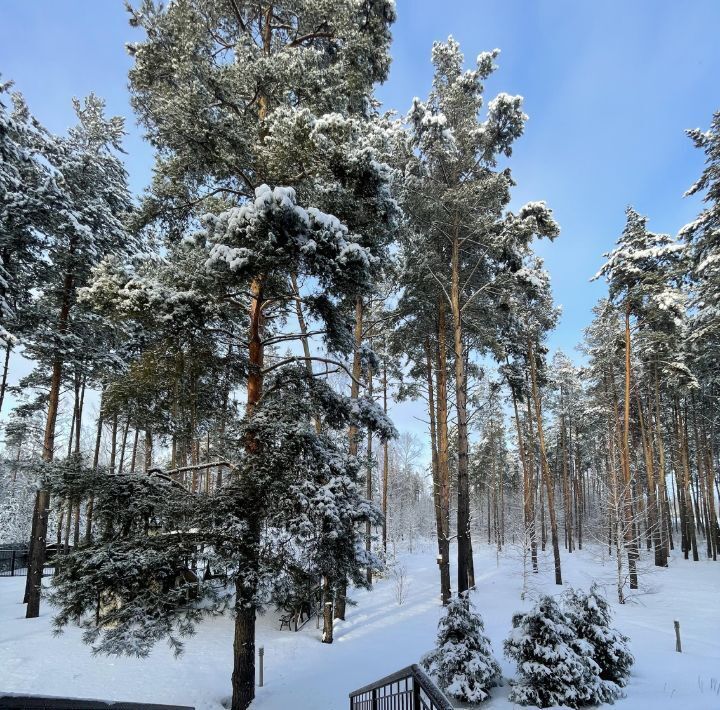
(408, 689)
(14, 563)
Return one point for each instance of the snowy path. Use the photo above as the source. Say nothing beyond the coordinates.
(378, 638)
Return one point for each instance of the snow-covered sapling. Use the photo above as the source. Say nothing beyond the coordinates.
(590, 617)
(462, 663)
(554, 667)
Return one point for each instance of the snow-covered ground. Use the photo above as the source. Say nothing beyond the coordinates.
(379, 637)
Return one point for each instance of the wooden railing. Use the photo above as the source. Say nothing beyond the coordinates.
(408, 689)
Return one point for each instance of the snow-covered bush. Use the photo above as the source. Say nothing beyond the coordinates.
(554, 667)
(590, 617)
(462, 663)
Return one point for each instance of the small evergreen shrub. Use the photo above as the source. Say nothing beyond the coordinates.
(462, 663)
(554, 667)
(590, 616)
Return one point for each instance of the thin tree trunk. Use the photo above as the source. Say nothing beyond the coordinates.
(443, 453)
(133, 458)
(652, 507)
(148, 448)
(386, 463)
(340, 596)
(6, 367)
(113, 444)
(81, 408)
(123, 445)
(96, 461)
(440, 513)
(39, 534)
(369, 480)
(464, 544)
(627, 478)
(528, 485)
(544, 464)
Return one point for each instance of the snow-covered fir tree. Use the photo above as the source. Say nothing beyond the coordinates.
(590, 617)
(554, 666)
(462, 662)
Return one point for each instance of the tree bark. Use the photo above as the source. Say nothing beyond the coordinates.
(627, 478)
(463, 484)
(37, 557)
(441, 514)
(528, 486)
(40, 533)
(327, 610)
(386, 464)
(340, 596)
(243, 676)
(443, 454)
(96, 461)
(6, 366)
(544, 463)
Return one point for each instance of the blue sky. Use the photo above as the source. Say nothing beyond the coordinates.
(609, 87)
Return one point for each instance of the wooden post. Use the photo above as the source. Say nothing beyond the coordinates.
(678, 644)
(261, 654)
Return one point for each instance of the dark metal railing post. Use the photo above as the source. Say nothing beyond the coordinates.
(12, 564)
(416, 694)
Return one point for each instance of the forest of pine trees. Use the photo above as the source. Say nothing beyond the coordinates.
(214, 363)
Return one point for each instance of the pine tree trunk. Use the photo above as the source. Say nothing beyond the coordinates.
(39, 533)
(96, 461)
(113, 444)
(464, 544)
(528, 485)
(327, 610)
(440, 513)
(443, 454)
(133, 457)
(81, 407)
(627, 494)
(386, 464)
(148, 449)
(37, 555)
(123, 445)
(243, 676)
(340, 596)
(369, 480)
(665, 522)
(544, 464)
(652, 507)
(6, 367)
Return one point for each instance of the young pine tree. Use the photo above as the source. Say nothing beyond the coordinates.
(554, 667)
(462, 663)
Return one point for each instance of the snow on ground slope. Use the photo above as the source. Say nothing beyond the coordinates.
(379, 637)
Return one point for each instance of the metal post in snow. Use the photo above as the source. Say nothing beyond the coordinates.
(678, 645)
(261, 654)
